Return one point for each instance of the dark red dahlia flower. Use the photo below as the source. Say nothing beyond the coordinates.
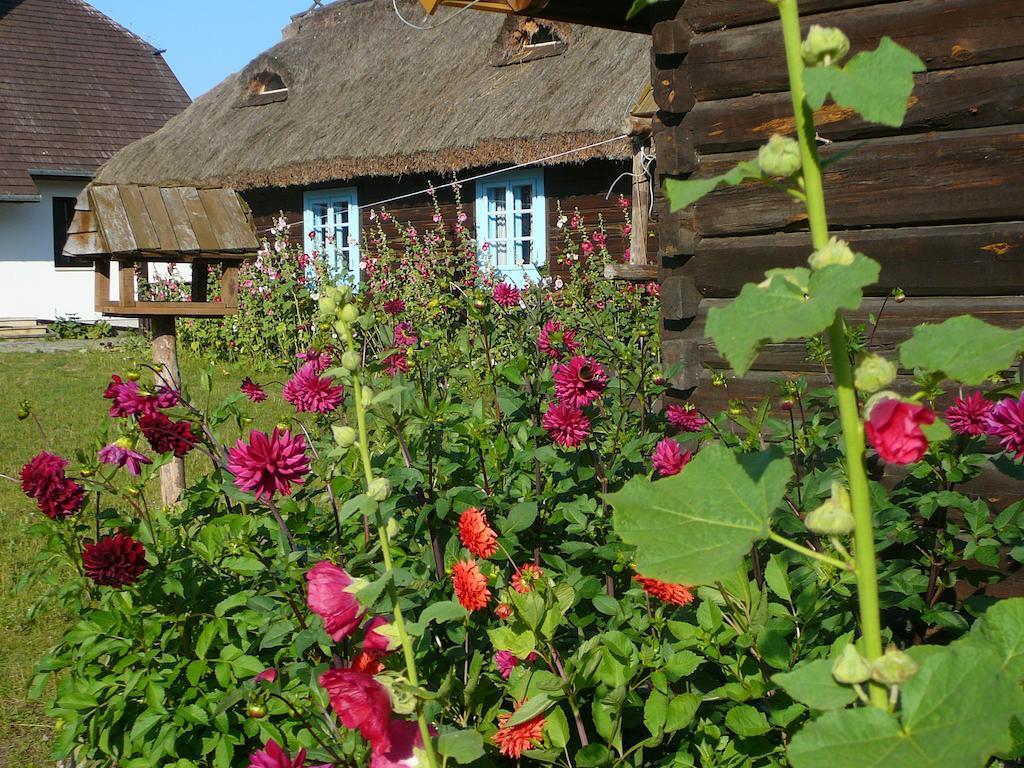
(114, 561)
(167, 436)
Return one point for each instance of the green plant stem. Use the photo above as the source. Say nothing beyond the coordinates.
(808, 552)
(385, 548)
(849, 416)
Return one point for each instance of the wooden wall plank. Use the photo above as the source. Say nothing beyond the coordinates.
(205, 232)
(708, 15)
(161, 221)
(944, 33)
(117, 230)
(951, 99)
(178, 214)
(916, 179)
(142, 227)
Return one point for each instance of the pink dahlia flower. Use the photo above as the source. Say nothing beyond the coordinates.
(403, 335)
(252, 390)
(114, 561)
(969, 415)
(121, 454)
(668, 458)
(1007, 423)
(568, 426)
(311, 393)
(128, 399)
(556, 341)
(506, 295)
(395, 363)
(329, 598)
(685, 417)
(580, 381)
(273, 756)
(360, 702)
(318, 361)
(269, 464)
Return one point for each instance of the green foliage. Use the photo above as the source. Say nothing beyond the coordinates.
(963, 348)
(681, 193)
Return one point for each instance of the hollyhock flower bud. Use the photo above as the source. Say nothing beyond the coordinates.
(873, 373)
(349, 313)
(330, 597)
(780, 156)
(379, 489)
(836, 252)
(345, 437)
(328, 306)
(893, 427)
(824, 46)
(835, 516)
(351, 360)
(367, 399)
(894, 667)
(851, 668)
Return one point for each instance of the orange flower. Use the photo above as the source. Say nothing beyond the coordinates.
(523, 579)
(470, 585)
(477, 536)
(503, 611)
(368, 662)
(513, 740)
(677, 594)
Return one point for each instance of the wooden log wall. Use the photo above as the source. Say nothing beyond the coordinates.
(938, 202)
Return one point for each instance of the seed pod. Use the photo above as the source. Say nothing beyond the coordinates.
(379, 489)
(873, 373)
(894, 667)
(780, 156)
(349, 313)
(351, 360)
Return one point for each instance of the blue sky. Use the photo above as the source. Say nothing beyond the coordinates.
(206, 40)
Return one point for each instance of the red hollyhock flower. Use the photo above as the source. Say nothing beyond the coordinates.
(568, 426)
(269, 464)
(470, 585)
(361, 703)
(668, 458)
(374, 641)
(685, 417)
(893, 428)
(513, 740)
(403, 336)
(167, 436)
(114, 561)
(677, 594)
(969, 415)
(556, 341)
(506, 295)
(328, 597)
(394, 306)
(525, 577)
(252, 390)
(273, 756)
(476, 535)
(43, 479)
(1007, 423)
(580, 381)
(395, 363)
(405, 738)
(268, 675)
(311, 393)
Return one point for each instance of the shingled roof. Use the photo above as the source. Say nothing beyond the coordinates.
(75, 87)
(369, 96)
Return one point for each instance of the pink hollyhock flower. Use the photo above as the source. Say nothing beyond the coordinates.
(555, 341)
(395, 363)
(580, 381)
(587, 247)
(114, 561)
(269, 464)
(273, 756)
(406, 738)
(403, 336)
(685, 417)
(317, 361)
(568, 426)
(328, 597)
(374, 641)
(268, 675)
(506, 661)
(506, 295)
(394, 306)
(653, 289)
(668, 458)
(43, 479)
(167, 436)
(599, 238)
(1007, 423)
(969, 415)
(311, 393)
(893, 428)
(361, 703)
(252, 390)
(121, 454)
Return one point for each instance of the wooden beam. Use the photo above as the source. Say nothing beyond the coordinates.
(634, 273)
(641, 206)
(165, 360)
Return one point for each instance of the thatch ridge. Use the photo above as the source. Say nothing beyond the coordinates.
(368, 96)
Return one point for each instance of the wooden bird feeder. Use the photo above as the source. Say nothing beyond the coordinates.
(126, 228)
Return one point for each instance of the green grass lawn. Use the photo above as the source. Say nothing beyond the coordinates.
(65, 389)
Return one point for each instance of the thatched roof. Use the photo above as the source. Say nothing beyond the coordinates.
(369, 96)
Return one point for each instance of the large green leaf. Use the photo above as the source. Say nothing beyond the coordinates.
(1002, 627)
(789, 304)
(697, 526)
(964, 348)
(684, 192)
(812, 684)
(876, 83)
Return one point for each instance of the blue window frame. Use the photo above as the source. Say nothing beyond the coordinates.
(332, 215)
(511, 224)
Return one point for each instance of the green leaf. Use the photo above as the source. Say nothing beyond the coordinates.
(246, 566)
(520, 517)
(877, 83)
(812, 684)
(684, 192)
(519, 643)
(964, 348)
(655, 712)
(538, 705)
(593, 756)
(681, 711)
(789, 304)
(682, 664)
(696, 527)
(1002, 627)
(747, 721)
(556, 728)
(443, 612)
(639, 6)
(777, 578)
(461, 746)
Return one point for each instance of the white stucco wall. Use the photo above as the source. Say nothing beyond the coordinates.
(30, 285)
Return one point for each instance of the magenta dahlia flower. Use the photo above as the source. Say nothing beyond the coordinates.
(43, 479)
(1007, 423)
(129, 400)
(318, 361)
(685, 417)
(506, 295)
(120, 453)
(568, 426)
(556, 341)
(311, 393)
(273, 756)
(114, 561)
(252, 390)
(403, 336)
(269, 464)
(580, 381)
(969, 415)
(669, 458)
(395, 363)
(394, 306)
(506, 661)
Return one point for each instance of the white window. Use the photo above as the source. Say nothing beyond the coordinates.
(332, 216)
(510, 220)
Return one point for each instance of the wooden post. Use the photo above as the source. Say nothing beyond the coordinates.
(641, 205)
(165, 358)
